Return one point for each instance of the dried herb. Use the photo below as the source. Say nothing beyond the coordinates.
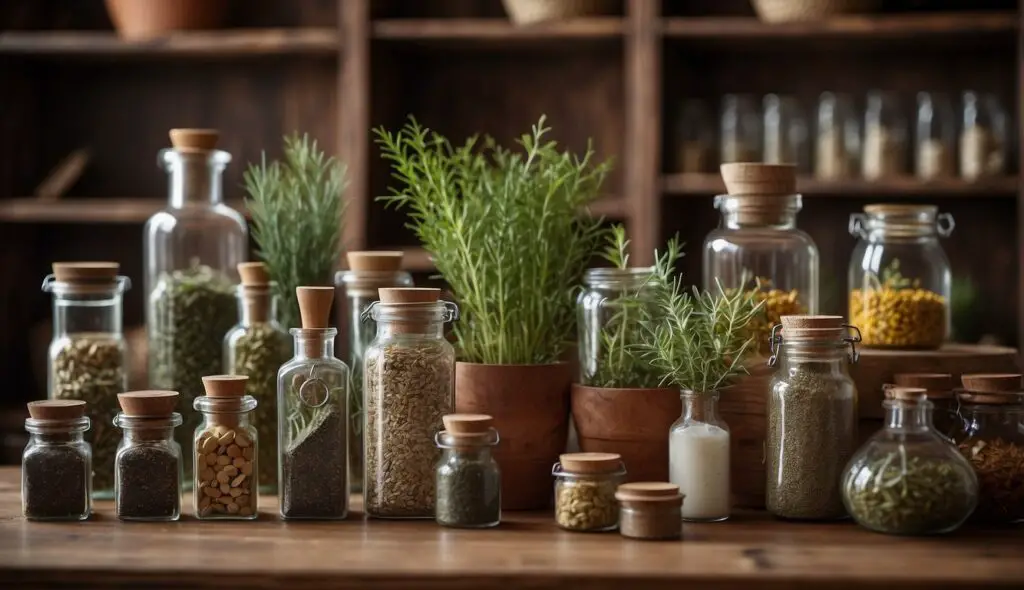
(587, 504)
(149, 483)
(55, 480)
(468, 490)
(895, 311)
(775, 303)
(999, 465)
(314, 470)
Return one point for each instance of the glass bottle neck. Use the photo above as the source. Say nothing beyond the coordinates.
(56, 437)
(388, 329)
(148, 435)
(467, 453)
(700, 407)
(195, 178)
(311, 343)
(740, 219)
(827, 356)
(78, 314)
(904, 416)
(257, 308)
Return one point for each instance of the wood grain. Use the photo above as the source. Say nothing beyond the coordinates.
(87, 210)
(889, 26)
(495, 29)
(711, 184)
(221, 43)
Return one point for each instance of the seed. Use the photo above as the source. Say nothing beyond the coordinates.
(54, 483)
(586, 504)
(234, 451)
(223, 460)
(319, 448)
(237, 481)
(223, 477)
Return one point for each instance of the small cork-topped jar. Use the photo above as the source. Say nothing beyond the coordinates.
(148, 467)
(650, 510)
(939, 390)
(468, 477)
(225, 450)
(56, 467)
(585, 485)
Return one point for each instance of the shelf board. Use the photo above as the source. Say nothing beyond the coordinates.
(220, 43)
(85, 210)
(495, 29)
(711, 184)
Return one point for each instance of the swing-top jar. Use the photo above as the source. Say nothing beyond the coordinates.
(585, 485)
(56, 467)
(226, 448)
(468, 476)
(148, 466)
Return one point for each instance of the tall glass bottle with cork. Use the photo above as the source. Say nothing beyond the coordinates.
(226, 448)
(312, 402)
(87, 356)
(191, 249)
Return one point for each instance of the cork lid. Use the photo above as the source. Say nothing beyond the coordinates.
(225, 385)
(935, 383)
(906, 394)
(812, 327)
(409, 295)
(648, 491)
(315, 306)
(590, 462)
(991, 388)
(90, 272)
(150, 404)
(748, 178)
(194, 140)
(56, 409)
(379, 261)
(899, 209)
(467, 424)
(254, 274)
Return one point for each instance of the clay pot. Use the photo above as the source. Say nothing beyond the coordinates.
(147, 19)
(530, 406)
(631, 422)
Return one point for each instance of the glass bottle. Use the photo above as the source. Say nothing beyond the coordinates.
(367, 272)
(585, 485)
(257, 347)
(741, 129)
(812, 417)
(885, 137)
(226, 447)
(312, 402)
(190, 252)
(785, 133)
(147, 470)
(900, 280)
(468, 477)
(695, 139)
(87, 358)
(837, 151)
(907, 480)
(408, 380)
(56, 466)
(698, 451)
(939, 390)
(983, 137)
(936, 137)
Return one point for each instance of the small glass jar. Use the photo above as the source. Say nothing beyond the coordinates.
(936, 137)
(939, 390)
(87, 357)
(698, 452)
(812, 417)
(983, 136)
(409, 380)
(900, 279)
(695, 139)
(741, 129)
(885, 137)
(650, 511)
(585, 485)
(147, 470)
(468, 477)
(226, 448)
(56, 467)
(837, 148)
(785, 133)
(907, 480)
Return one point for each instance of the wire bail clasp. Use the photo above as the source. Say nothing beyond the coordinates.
(774, 344)
(853, 340)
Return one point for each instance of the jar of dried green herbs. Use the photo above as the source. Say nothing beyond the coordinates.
(468, 477)
(812, 416)
(87, 356)
(906, 479)
(939, 388)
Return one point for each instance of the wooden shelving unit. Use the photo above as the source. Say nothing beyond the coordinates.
(92, 211)
(889, 26)
(495, 30)
(687, 185)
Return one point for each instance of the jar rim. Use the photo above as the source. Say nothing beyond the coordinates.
(446, 440)
(127, 422)
(41, 426)
(225, 405)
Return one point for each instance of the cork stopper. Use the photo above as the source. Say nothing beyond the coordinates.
(380, 261)
(194, 140)
(225, 386)
(747, 178)
(906, 394)
(992, 382)
(91, 272)
(315, 306)
(148, 404)
(590, 463)
(812, 327)
(937, 385)
(467, 424)
(254, 274)
(409, 295)
(648, 491)
(900, 210)
(56, 409)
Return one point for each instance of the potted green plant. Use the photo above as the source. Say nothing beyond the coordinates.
(504, 228)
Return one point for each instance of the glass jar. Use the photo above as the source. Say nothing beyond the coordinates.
(698, 458)
(885, 137)
(650, 510)
(257, 347)
(190, 252)
(608, 311)
(907, 480)
(409, 379)
(983, 137)
(936, 137)
(695, 139)
(226, 447)
(837, 149)
(758, 247)
(56, 467)
(785, 133)
(87, 358)
(585, 485)
(939, 390)
(812, 417)
(368, 271)
(900, 280)
(147, 470)
(468, 477)
(741, 129)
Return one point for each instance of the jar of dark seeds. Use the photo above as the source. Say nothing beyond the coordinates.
(585, 485)
(468, 477)
(56, 468)
(226, 448)
(650, 510)
(946, 407)
(87, 357)
(147, 470)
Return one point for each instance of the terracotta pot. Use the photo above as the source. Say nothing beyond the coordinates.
(146, 19)
(631, 422)
(530, 405)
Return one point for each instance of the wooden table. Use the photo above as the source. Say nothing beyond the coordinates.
(526, 551)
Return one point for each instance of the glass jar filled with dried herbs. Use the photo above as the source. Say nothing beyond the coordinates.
(408, 380)
(468, 477)
(257, 347)
(906, 479)
(812, 417)
(585, 485)
(312, 402)
(56, 467)
(88, 356)
(226, 451)
(147, 470)
(939, 388)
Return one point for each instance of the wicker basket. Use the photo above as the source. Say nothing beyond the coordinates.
(788, 11)
(526, 12)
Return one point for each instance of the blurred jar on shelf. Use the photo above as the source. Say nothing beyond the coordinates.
(838, 143)
(785, 133)
(885, 137)
(936, 136)
(695, 138)
(741, 129)
(983, 139)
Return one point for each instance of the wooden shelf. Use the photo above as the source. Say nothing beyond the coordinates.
(85, 210)
(221, 43)
(711, 184)
(495, 29)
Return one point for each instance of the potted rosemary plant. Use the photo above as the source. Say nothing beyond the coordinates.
(505, 231)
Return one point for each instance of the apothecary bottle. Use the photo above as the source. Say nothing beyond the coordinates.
(468, 476)
(983, 136)
(87, 357)
(838, 142)
(585, 485)
(257, 347)
(226, 449)
(190, 251)
(812, 417)
(939, 391)
(785, 133)
(907, 480)
(694, 138)
(885, 137)
(408, 381)
(313, 422)
(147, 471)
(935, 142)
(742, 130)
(56, 466)
(698, 458)
(367, 272)
(900, 279)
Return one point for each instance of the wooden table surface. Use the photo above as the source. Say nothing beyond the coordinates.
(526, 551)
